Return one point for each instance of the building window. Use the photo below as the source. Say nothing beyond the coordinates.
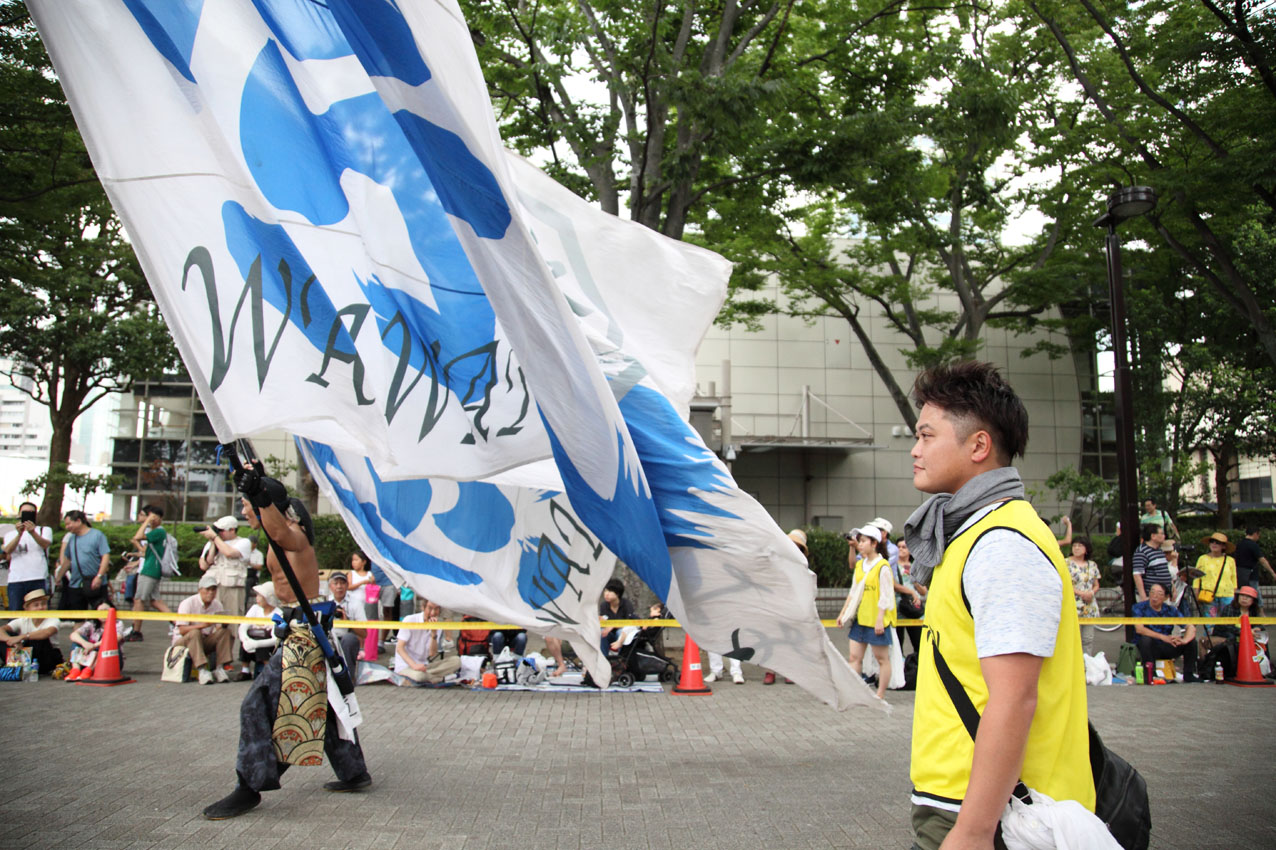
(1256, 489)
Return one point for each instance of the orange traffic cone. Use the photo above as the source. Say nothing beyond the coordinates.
(1248, 674)
(692, 679)
(106, 671)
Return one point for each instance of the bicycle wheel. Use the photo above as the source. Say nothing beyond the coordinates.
(1110, 611)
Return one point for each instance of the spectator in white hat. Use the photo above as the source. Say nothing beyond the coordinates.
(225, 558)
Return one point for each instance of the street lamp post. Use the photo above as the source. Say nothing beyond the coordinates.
(1126, 203)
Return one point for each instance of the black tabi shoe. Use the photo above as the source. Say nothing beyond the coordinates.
(360, 782)
(234, 804)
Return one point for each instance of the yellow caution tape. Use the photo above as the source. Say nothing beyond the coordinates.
(455, 625)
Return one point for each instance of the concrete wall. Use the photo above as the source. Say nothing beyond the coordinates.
(769, 368)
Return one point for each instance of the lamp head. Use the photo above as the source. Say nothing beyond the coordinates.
(1131, 202)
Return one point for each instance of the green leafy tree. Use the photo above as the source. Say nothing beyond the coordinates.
(76, 318)
(1181, 96)
(83, 483)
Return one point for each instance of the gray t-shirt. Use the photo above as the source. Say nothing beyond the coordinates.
(1014, 592)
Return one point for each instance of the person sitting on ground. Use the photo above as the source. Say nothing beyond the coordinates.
(1215, 589)
(1245, 602)
(88, 641)
(614, 606)
(554, 647)
(201, 638)
(257, 642)
(418, 653)
(347, 609)
(516, 639)
(38, 634)
(1157, 641)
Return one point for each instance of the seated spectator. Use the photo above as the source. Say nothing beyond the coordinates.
(88, 641)
(516, 638)
(38, 635)
(614, 606)
(1246, 601)
(418, 653)
(474, 641)
(257, 643)
(348, 639)
(1158, 641)
(202, 638)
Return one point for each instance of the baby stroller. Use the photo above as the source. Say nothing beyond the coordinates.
(638, 659)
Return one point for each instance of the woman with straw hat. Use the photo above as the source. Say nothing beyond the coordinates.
(1215, 589)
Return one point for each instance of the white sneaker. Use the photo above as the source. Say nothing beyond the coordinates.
(219, 674)
(737, 677)
(205, 678)
(715, 676)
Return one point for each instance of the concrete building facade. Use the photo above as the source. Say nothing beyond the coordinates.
(815, 436)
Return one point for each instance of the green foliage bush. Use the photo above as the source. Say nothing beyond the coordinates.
(828, 557)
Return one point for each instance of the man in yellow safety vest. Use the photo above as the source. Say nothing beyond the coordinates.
(1000, 682)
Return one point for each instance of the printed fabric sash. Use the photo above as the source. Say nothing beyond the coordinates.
(303, 700)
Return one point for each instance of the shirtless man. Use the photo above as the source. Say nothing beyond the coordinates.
(260, 760)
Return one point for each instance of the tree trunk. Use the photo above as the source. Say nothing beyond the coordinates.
(309, 487)
(59, 457)
(1223, 458)
(906, 411)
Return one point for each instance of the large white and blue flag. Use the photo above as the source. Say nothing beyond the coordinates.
(320, 199)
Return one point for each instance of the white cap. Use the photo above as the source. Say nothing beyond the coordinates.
(883, 524)
(207, 580)
(227, 523)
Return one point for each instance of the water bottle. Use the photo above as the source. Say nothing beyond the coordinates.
(1138, 674)
(1218, 671)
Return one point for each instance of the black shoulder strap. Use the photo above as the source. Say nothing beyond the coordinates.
(966, 709)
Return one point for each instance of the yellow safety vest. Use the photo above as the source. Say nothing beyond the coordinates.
(1057, 759)
(866, 615)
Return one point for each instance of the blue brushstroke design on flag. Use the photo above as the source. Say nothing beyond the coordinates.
(543, 573)
(626, 523)
(403, 504)
(171, 27)
(677, 464)
(407, 556)
(306, 30)
(482, 520)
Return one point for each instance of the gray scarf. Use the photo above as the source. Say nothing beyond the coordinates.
(931, 525)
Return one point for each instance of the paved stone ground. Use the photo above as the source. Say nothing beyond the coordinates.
(748, 767)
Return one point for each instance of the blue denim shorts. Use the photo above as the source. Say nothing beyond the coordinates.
(865, 634)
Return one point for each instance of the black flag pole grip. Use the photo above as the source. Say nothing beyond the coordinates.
(336, 663)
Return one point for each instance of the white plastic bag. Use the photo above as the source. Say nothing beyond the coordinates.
(1097, 670)
(1051, 825)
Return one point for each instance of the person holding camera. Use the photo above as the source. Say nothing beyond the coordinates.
(225, 558)
(27, 548)
(152, 540)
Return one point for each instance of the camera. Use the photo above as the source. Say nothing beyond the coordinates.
(200, 529)
(27, 516)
